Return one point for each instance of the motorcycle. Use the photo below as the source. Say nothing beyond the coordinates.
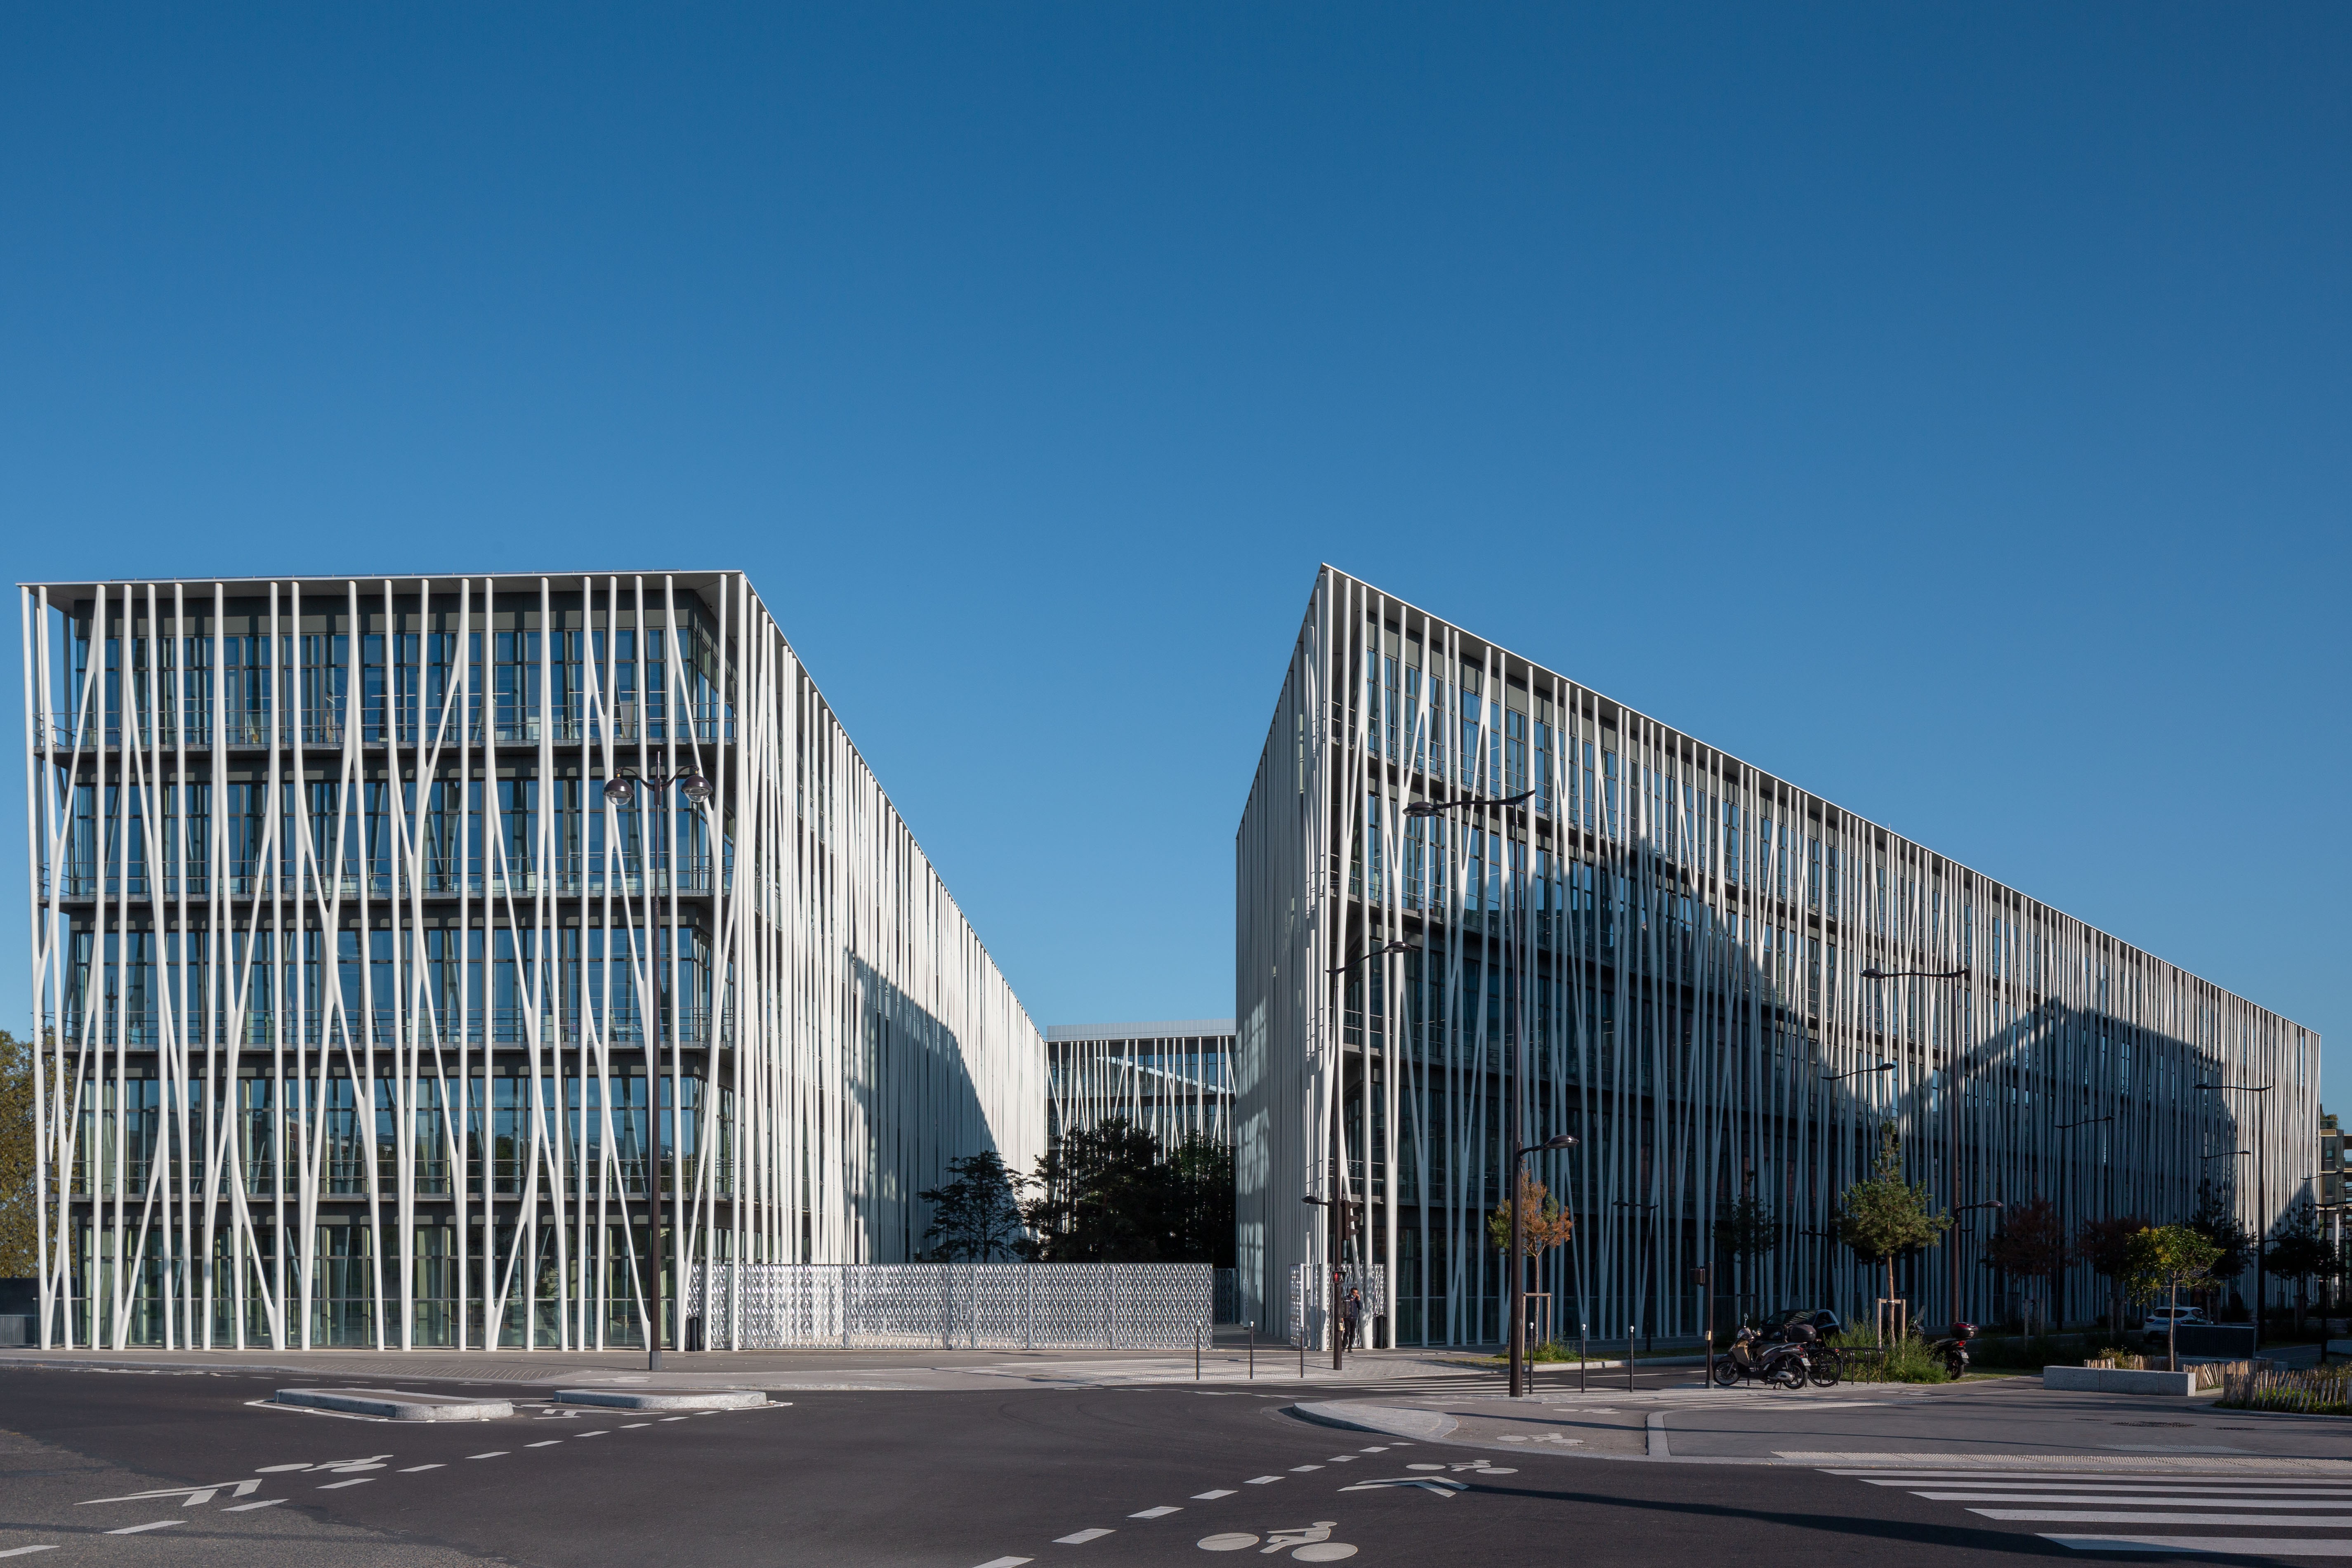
(1955, 1351)
(1781, 1363)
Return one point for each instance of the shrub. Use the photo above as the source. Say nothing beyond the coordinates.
(1907, 1360)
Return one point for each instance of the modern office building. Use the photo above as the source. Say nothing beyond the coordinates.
(1170, 1078)
(353, 975)
(1679, 948)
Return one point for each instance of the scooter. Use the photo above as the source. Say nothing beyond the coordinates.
(1955, 1351)
(1780, 1363)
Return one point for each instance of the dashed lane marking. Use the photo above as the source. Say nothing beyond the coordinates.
(414, 1469)
(136, 1529)
(1300, 1470)
(1212, 1496)
(493, 1454)
(249, 1507)
(28, 1550)
(355, 1481)
(1081, 1538)
(592, 1434)
(544, 1442)
(673, 1417)
(1004, 1563)
(634, 1424)
(1162, 1512)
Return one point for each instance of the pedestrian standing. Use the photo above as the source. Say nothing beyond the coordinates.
(1352, 1318)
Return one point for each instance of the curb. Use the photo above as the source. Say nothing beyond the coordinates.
(399, 1407)
(1384, 1420)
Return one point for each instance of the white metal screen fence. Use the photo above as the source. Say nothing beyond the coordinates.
(1310, 1300)
(950, 1306)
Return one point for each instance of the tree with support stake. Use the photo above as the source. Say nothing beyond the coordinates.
(2168, 1260)
(1885, 1215)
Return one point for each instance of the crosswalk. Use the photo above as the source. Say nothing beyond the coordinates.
(2237, 1510)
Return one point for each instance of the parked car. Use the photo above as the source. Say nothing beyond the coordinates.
(2161, 1320)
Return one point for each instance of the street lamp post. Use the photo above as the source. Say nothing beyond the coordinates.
(1994, 1204)
(2058, 1280)
(1952, 1109)
(1512, 1131)
(2262, 1217)
(619, 792)
(1518, 1263)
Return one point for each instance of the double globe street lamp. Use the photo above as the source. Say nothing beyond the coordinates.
(621, 792)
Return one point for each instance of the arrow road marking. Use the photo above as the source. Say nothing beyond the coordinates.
(1437, 1484)
(196, 1495)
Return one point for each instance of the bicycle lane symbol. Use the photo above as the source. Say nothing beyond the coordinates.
(1308, 1543)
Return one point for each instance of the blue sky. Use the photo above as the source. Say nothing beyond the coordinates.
(1942, 406)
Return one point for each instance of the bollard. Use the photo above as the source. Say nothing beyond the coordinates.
(1583, 1364)
(1252, 1335)
(1302, 1353)
(1196, 1350)
(1630, 1330)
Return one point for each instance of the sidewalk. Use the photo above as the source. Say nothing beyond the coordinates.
(874, 1370)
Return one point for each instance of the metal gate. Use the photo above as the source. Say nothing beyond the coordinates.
(950, 1306)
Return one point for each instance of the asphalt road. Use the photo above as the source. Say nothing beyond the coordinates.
(927, 1479)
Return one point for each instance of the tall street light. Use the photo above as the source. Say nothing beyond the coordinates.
(2058, 1306)
(2261, 1195)
(1429, 808)
(1519, 1264)
(1952, 1112)
(620, 791)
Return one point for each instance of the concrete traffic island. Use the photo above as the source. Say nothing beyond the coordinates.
(396, 1404)
(2118, 1380)
(665, 1398)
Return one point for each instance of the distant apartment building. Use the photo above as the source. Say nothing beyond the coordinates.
(1168, 1078)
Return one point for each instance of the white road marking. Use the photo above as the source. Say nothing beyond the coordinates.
(1004, 1563)
(273, 1470)
(249, 1507)
(201, 1493)
(1437, 1484)
(1351, 1458)
(2245, 1545)
(2270, 1488)
(1261, 1481)
(634, 1424)
(414, 1469)
(546, 1443)
(493, 1454)
(2270, 1500)
(592, 1434)
(1300, 1470)
(673, 1417)
(1162, 1512)
(1081, 1538)
(25, 1551)
(355, 1481)
(2093, 1516)
(1210, 1497)
(135, 1529)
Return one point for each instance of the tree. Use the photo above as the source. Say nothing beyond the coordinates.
(2170, 1260)
(2216, 1219)
(2029, 1242)
(2105, 1245)
(1103, 1195)
(1542, 1223)
(1883, 1214)
(1204, 1171)
(17, 1243)
(2299, 1252)
(975, 1218)
(1747, 1230)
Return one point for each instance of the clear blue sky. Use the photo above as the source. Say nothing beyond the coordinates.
(1945, 407)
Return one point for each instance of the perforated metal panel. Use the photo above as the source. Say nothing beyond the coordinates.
(1310, 1304)
(1140, 1306)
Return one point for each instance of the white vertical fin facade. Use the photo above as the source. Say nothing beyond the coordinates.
(1678, 942)
(352, 982)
